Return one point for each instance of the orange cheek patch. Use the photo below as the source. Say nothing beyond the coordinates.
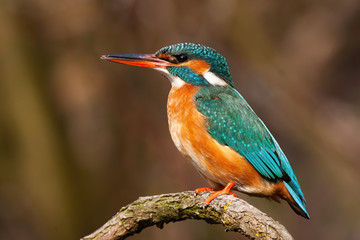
(198, 66)
(165, 56)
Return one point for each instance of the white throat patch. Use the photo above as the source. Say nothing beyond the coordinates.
(174, 80)
(178, 82)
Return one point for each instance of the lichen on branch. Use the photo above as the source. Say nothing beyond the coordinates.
(233, 213)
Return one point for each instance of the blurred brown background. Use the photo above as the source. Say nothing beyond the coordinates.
(81, 137)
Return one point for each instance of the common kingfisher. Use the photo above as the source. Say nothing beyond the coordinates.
(215, 128)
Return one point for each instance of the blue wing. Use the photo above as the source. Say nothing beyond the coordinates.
(232, 122)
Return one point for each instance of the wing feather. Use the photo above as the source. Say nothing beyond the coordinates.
(232, 122)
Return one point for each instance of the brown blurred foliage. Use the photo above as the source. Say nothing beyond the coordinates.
(79, 137)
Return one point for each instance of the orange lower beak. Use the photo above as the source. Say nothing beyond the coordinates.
(140, 60)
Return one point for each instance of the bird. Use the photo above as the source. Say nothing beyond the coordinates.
(214, 127)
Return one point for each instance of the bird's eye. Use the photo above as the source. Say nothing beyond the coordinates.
(181, 58)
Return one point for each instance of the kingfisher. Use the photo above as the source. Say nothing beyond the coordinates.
(214, 127)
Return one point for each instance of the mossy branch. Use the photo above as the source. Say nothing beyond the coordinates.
(233, 213)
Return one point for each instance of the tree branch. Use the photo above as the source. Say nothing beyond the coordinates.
(235, 214)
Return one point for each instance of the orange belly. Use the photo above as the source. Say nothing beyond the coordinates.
(217, 163)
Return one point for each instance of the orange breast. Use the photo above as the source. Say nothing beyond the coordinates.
(217, 163)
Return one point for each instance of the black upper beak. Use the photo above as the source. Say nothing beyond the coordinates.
(140, 60)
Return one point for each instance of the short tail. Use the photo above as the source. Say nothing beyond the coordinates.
(298, 203)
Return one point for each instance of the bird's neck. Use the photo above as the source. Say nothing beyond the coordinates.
(181, 97)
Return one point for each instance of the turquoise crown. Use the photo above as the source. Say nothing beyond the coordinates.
(197, 51)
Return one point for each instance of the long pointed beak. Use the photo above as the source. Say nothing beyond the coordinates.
(140, 60)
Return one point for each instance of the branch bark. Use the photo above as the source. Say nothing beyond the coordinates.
(233, 213)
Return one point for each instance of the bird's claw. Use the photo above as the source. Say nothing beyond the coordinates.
(204, 189)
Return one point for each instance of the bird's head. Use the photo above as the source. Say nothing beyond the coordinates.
(182, 63)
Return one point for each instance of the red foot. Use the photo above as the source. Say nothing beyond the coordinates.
(214, 194)
(203, 189)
